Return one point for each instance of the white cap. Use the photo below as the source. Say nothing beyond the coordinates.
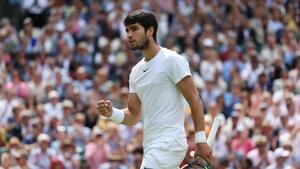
(97, 131)
(53, 94)
(102, 41)
(238, 106)
(43, 137)
(60, 27)
(115, 44)
(240, 127)
(25, 113)
(281, 152)
(67, 103)
(208, 42)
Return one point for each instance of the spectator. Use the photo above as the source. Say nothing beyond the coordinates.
(41, 155)
(281, 156)
(260, 156)
(79, 133)
(98, 150)
(53, 107)
(67, 155)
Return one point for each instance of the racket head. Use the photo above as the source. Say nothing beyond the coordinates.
(196, 164)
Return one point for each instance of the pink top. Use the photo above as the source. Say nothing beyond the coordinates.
(96, 155)
(241, 147)
(20, 90)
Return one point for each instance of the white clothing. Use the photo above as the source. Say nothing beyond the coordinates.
(162, 159)
(274, 166)
(256, 158)
(162, 103)
(251, 75)
(53, 110)
(209, 69)
(6, 110)
(41, 160)
(268, 55)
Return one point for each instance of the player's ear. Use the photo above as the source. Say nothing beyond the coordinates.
(150, 31)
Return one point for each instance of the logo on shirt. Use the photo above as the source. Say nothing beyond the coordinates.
(146, 70)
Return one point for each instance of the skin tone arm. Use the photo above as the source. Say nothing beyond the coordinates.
(132, 112)
(189, 91)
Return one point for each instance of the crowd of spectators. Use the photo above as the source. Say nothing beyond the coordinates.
(58, 58)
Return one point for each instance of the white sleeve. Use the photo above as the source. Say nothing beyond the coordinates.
(132, 88)
(178, 68)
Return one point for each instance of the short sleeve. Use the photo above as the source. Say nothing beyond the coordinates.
(132, 88)
(178, 68)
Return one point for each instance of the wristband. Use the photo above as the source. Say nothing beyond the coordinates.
(117, 115)
(200, 137)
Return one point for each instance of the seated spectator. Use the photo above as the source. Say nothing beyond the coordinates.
(41, 155)
(281, 155)
(78, 132)
(67, 155)
(260, 156)
(114, 161)
(97, 151)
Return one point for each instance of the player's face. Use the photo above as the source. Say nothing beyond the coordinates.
(137, 37)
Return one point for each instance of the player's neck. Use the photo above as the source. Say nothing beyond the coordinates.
(151, 51)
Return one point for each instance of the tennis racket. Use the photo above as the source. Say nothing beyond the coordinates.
(197, 162)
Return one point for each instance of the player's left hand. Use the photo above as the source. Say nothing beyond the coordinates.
(204, 152)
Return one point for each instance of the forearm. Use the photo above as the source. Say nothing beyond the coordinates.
(128, 116)
(197, 114)
(131, 118)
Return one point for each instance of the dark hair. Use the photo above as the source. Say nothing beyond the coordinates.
(144, 17)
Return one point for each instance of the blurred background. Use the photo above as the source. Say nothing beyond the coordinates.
(58, 58)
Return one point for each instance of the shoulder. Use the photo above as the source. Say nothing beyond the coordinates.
(136, 67)
(173, 57)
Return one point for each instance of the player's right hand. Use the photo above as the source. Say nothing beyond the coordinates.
(104, 108)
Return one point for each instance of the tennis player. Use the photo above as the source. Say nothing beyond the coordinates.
(158, 85)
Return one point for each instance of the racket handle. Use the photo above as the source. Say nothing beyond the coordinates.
(213, 132)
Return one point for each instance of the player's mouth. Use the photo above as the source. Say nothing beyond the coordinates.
(131, 42)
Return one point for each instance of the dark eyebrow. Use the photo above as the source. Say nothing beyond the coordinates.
(131, 27)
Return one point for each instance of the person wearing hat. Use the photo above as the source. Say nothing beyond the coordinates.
(26, 126)
(68, 108)
(67, 155)
(21, 157)
(82, 82)
(281, 155)
(230, 128)
(79, 133)
(53, 107)
(41, 155)
(82, 57)
(98, 150)
(260, 156)
(6, 105)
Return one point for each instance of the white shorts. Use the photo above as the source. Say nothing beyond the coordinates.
(164, 158)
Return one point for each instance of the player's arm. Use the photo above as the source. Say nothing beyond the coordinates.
(189, 91)
(128, 116)
(133, 111)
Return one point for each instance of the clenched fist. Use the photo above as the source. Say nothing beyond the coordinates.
(105, 108)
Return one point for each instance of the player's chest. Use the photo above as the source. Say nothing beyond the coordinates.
(151, 79)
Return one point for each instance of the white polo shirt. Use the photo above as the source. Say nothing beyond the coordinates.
(162, 103)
